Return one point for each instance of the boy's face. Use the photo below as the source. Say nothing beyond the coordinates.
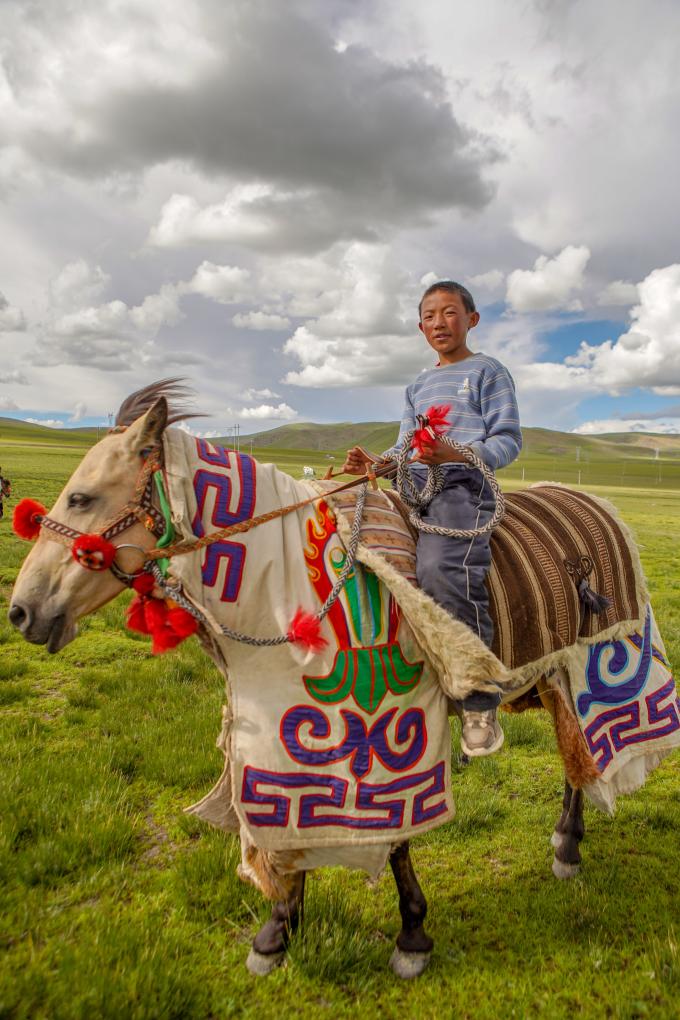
(445, 324)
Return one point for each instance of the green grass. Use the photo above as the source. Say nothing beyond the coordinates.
(116, 904)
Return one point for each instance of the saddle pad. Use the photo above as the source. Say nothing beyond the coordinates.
(533, 599)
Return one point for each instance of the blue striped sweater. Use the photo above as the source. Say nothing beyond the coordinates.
(484, 413)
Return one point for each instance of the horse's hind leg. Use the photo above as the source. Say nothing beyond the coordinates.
(568, 833)
(269, 945)
(414, 947)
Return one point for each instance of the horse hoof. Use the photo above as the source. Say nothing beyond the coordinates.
(408, 965)
(261, 965)
(557, 839)
(562, 870)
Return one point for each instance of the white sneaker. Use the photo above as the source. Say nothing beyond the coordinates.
(482, 733)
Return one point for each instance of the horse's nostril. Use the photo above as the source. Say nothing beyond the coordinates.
(19, 616)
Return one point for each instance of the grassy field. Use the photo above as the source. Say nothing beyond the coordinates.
(115, 904)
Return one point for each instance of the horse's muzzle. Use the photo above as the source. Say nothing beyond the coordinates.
(55, 631)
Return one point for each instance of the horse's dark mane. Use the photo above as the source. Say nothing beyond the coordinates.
(139, 402)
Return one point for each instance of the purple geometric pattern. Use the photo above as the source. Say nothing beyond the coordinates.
(234, 489)
(624, 724)
(367, 801)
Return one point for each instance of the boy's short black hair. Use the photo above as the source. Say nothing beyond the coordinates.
(453, 288)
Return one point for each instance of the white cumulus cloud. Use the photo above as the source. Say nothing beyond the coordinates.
(78, 283)
(619, 292)
(111, 336)
(260, 320)
(228, 285)
(50, 423)
(12, 320)
(489, 282)
(669, 427)
(550, 285)
(648, 355)
(263, 394)
(280, 412)
(369, 333)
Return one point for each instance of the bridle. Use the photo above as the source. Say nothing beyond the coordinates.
(140, 509)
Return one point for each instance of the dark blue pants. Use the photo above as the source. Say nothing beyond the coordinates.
(453, 570)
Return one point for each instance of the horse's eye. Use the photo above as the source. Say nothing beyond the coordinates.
(79, 500)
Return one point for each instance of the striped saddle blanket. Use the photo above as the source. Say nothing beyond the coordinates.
(550, 539)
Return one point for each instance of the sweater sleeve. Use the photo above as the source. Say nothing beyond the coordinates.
(501, 420)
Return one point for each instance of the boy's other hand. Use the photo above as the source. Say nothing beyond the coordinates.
(358, 461)
(439, 453)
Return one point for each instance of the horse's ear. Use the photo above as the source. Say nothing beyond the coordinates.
(147, 430)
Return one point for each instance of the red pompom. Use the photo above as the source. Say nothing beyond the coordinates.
(136, 617)
(163, 640)
(305, 630)
(434, 420)
(93, 552)
(167, 627)
(181, 622)
(144, 584)
(27, 517)
(155, 614)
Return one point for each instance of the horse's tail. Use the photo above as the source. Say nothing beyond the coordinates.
(579, 767)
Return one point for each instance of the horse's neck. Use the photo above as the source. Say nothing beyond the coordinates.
(255, 579)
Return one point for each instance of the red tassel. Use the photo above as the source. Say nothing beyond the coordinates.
(163, 640)
(305, 630)
(435, 418)
(144, 584)
(181, 622)
(136, 617)
(27, 517)
(93, 552)
(155, 614)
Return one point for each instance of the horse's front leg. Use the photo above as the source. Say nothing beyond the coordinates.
(568, 833)
(270, 943)
(414, 947)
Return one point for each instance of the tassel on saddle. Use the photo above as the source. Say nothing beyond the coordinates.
(580, 570)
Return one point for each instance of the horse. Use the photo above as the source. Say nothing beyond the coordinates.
(112, 494)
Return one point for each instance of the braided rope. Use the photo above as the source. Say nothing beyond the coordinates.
(417, 500)
(174, 592)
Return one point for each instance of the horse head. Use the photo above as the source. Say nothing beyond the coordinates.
(53, 589)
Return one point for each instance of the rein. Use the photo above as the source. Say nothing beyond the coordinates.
(417, 500)
(181, 548)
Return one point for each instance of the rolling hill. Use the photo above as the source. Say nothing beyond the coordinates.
(378, 436)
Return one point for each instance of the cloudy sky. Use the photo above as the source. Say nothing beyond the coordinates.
(253, 193)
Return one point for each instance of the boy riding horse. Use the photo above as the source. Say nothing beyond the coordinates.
(484, 416)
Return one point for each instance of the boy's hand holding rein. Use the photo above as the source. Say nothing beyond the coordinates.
(439, 453)
(358, 461)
